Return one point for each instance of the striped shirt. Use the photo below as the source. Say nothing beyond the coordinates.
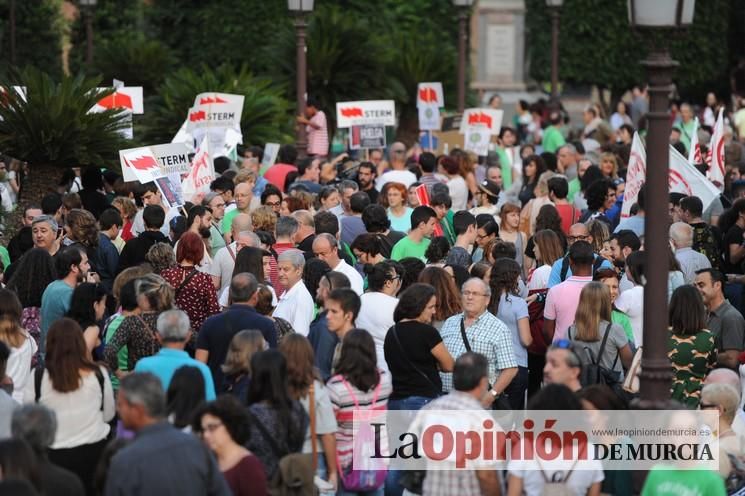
(345, 399)
(318, 139)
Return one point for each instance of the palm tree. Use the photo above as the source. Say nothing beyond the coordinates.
(52, 128)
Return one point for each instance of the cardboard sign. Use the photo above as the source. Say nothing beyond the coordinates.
(363, 137)
(170, 190)
(477, 140)
(211, 110)
(125, 97)
(202, 172)
(382, 112)
(482, 117)
(429, 94)
(429, 118)
(172, 158)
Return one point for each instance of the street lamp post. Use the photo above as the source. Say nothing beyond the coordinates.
(88, 6)
(12, 32)
(463, 7)
(300, 9)
(554, 7)
(645, 16)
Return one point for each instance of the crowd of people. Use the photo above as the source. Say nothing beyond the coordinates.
(224, 346)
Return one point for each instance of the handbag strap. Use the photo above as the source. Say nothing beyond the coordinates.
(312, 412)
(408, 360)
(354, 398)
(605, 340)
(463, 335)
(185, 281)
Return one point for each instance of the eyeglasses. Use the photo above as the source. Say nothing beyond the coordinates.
(273, 204)
(469, 294)
(564, 344)
(707, 406)
(394, 278)
(572, 239)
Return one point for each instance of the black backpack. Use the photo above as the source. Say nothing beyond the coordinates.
(593, 372)
(565, 266)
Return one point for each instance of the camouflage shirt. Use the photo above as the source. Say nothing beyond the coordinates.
(692, 357)
(707, 242)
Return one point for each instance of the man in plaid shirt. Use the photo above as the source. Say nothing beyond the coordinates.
(485, 333)
(469, 394)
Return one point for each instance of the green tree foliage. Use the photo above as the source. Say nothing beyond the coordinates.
(38, 34)
(53, 126)
(597, 45)
(266, 112)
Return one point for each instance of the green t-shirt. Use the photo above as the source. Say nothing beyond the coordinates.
(408, 248)
(667, 481)
(4, 257)
(552, 139)
(123, 354)
(622, 319)
(506, 166)
(228, 219)
(574, 188)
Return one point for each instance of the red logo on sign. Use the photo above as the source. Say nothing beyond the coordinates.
(197, 116)
(351, 112)
(143, 163)
(427, 95)
(217, 99)
(116, 100)
(479, 118)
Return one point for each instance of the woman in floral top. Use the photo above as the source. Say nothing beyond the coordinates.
(194, 291)
(138, 331)
(691, 345)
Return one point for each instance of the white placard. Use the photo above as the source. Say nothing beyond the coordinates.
(482, 117)
(171, 158)
(365, 112)
(430, 94)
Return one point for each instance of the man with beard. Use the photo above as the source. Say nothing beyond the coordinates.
(366, 174)
(622, 244)
(200, 222)
(72, 269)
(322, 339)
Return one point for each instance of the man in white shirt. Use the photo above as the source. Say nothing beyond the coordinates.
(150, 195)
(296, 304)
(223, 264)
(398, 172)
(326, 248)
(347, 189)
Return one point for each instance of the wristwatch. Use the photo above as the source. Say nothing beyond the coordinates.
(494, 394)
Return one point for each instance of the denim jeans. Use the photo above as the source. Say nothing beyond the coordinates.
(392, 487)
(516, 390)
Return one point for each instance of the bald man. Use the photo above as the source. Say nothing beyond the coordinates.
(326, 248)
(561, 270)
(728, 376)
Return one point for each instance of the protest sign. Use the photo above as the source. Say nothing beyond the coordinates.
(682, 177)
(429, 95)
(477, 140)
(171, 158)
(429, 118)
(716, 153)
(125, 97)
(482, 117)
(270, 156)
(170, 190)
(202, 172)
(365, 112)
(364, 137)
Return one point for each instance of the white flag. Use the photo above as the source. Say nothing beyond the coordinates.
(716, 151)
(694, 154)
(202, 172)
(682, 177)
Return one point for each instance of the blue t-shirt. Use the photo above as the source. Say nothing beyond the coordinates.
(167, 361)
(55, 302)
(634, 223)
(511, 309)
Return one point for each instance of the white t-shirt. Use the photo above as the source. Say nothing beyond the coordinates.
(396, 176)
(224, 297)
(79, 416)
(376, 317)
(223, 265)
(584, 474)
(458, 193)
(631, 302)
(19, 366)
(354, 277)
(539, 277)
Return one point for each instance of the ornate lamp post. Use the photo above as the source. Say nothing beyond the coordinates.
(300, 9)
(554, 7)
(88, 6)
(648, 18)
(463, 9)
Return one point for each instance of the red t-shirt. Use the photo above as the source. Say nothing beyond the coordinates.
(277, 174)
(247, 477)
(569, 215)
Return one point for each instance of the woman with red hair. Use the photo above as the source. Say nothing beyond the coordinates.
(399, 213)
(195, 293)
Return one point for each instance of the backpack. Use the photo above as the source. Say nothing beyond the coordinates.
(39, 374)
(593, 372)
(554, 487)
(565, 266)
(371, 472)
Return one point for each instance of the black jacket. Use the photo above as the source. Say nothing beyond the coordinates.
(134, 251)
